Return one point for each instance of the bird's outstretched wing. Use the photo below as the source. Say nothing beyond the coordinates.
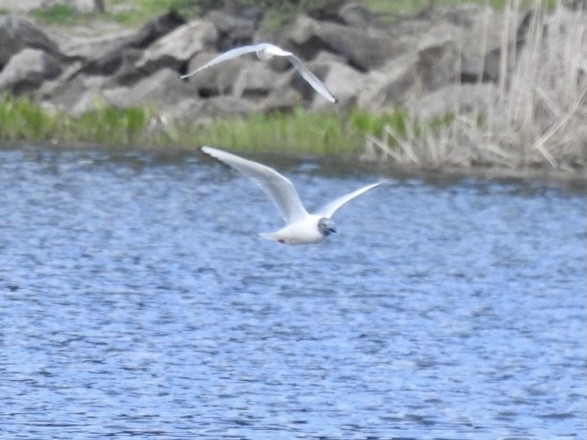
(311, 78)
(232, 53)
(279, 189)
(330, 209)
(264, 51)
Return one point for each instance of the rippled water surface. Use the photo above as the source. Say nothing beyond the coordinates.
(136, 300)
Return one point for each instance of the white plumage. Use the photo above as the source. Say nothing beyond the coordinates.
(301, 227)
(266, 51)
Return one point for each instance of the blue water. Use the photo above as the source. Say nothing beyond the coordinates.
(136, 300)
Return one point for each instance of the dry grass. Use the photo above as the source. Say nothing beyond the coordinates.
(539, 118)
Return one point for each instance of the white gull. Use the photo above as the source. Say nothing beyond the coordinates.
(266, 51)
(301, 227)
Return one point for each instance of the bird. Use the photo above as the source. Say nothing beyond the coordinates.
(266, 51)
(301, 227)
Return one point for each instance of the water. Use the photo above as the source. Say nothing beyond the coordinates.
(136, 300)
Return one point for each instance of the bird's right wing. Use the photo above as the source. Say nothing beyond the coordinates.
(312, 79)
(279, 189)
(232, 53)
(330, 209)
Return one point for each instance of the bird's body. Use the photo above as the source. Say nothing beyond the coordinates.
(304, 231)
(301, 227)
(266, 51)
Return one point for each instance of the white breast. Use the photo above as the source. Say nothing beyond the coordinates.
(301, 232)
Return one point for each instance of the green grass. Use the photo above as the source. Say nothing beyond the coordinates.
(136, 12)
(297, 132)
(59, 14)
(144, 10)
(21, 119)
(300, 131)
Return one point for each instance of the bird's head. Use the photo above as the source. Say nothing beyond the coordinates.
(265, 54)
(326, 226)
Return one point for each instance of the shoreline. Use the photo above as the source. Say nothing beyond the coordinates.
(434, 101)
(574, 181)
(55, 130)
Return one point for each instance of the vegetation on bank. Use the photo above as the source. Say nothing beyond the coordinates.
(137, 12)
(536, 119)
(451, 140)
(297, 132)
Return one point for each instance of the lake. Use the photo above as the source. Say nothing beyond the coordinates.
(138, 301)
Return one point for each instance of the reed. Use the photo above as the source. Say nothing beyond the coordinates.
(538, 118)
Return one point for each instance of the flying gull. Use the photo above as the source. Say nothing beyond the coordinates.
(301, 227)
(264, 52)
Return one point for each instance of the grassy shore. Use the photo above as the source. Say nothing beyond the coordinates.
(136, 12)
(450, 143)
(537, 122)
(297, 132)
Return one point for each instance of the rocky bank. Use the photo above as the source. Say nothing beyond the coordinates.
(429, 64)
(362, 61)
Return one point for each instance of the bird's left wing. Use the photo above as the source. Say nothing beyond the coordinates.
(232, 53)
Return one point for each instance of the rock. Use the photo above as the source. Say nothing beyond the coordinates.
(83, 6)
(255, 81)
(433, 64)
(344, 82)
(576, 5)
(356, 15)
(160, 90)
(392, 84)
(156, 28)
(364, 49)
(22, 5)
(454, 98)
(76, 95)
(107, 58)
(126, 73)
(483, 30)
(27, 70)
(108, 62)
(283, 97)
(82, 93)
(217, 80)
(190, 110)
(438, 56)
(91, 47)
(233, 30)
(17, 33)
(56, 86)
(291, 89)
(222, 106)
(413, 64)
(178, 47)
(324, 10)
